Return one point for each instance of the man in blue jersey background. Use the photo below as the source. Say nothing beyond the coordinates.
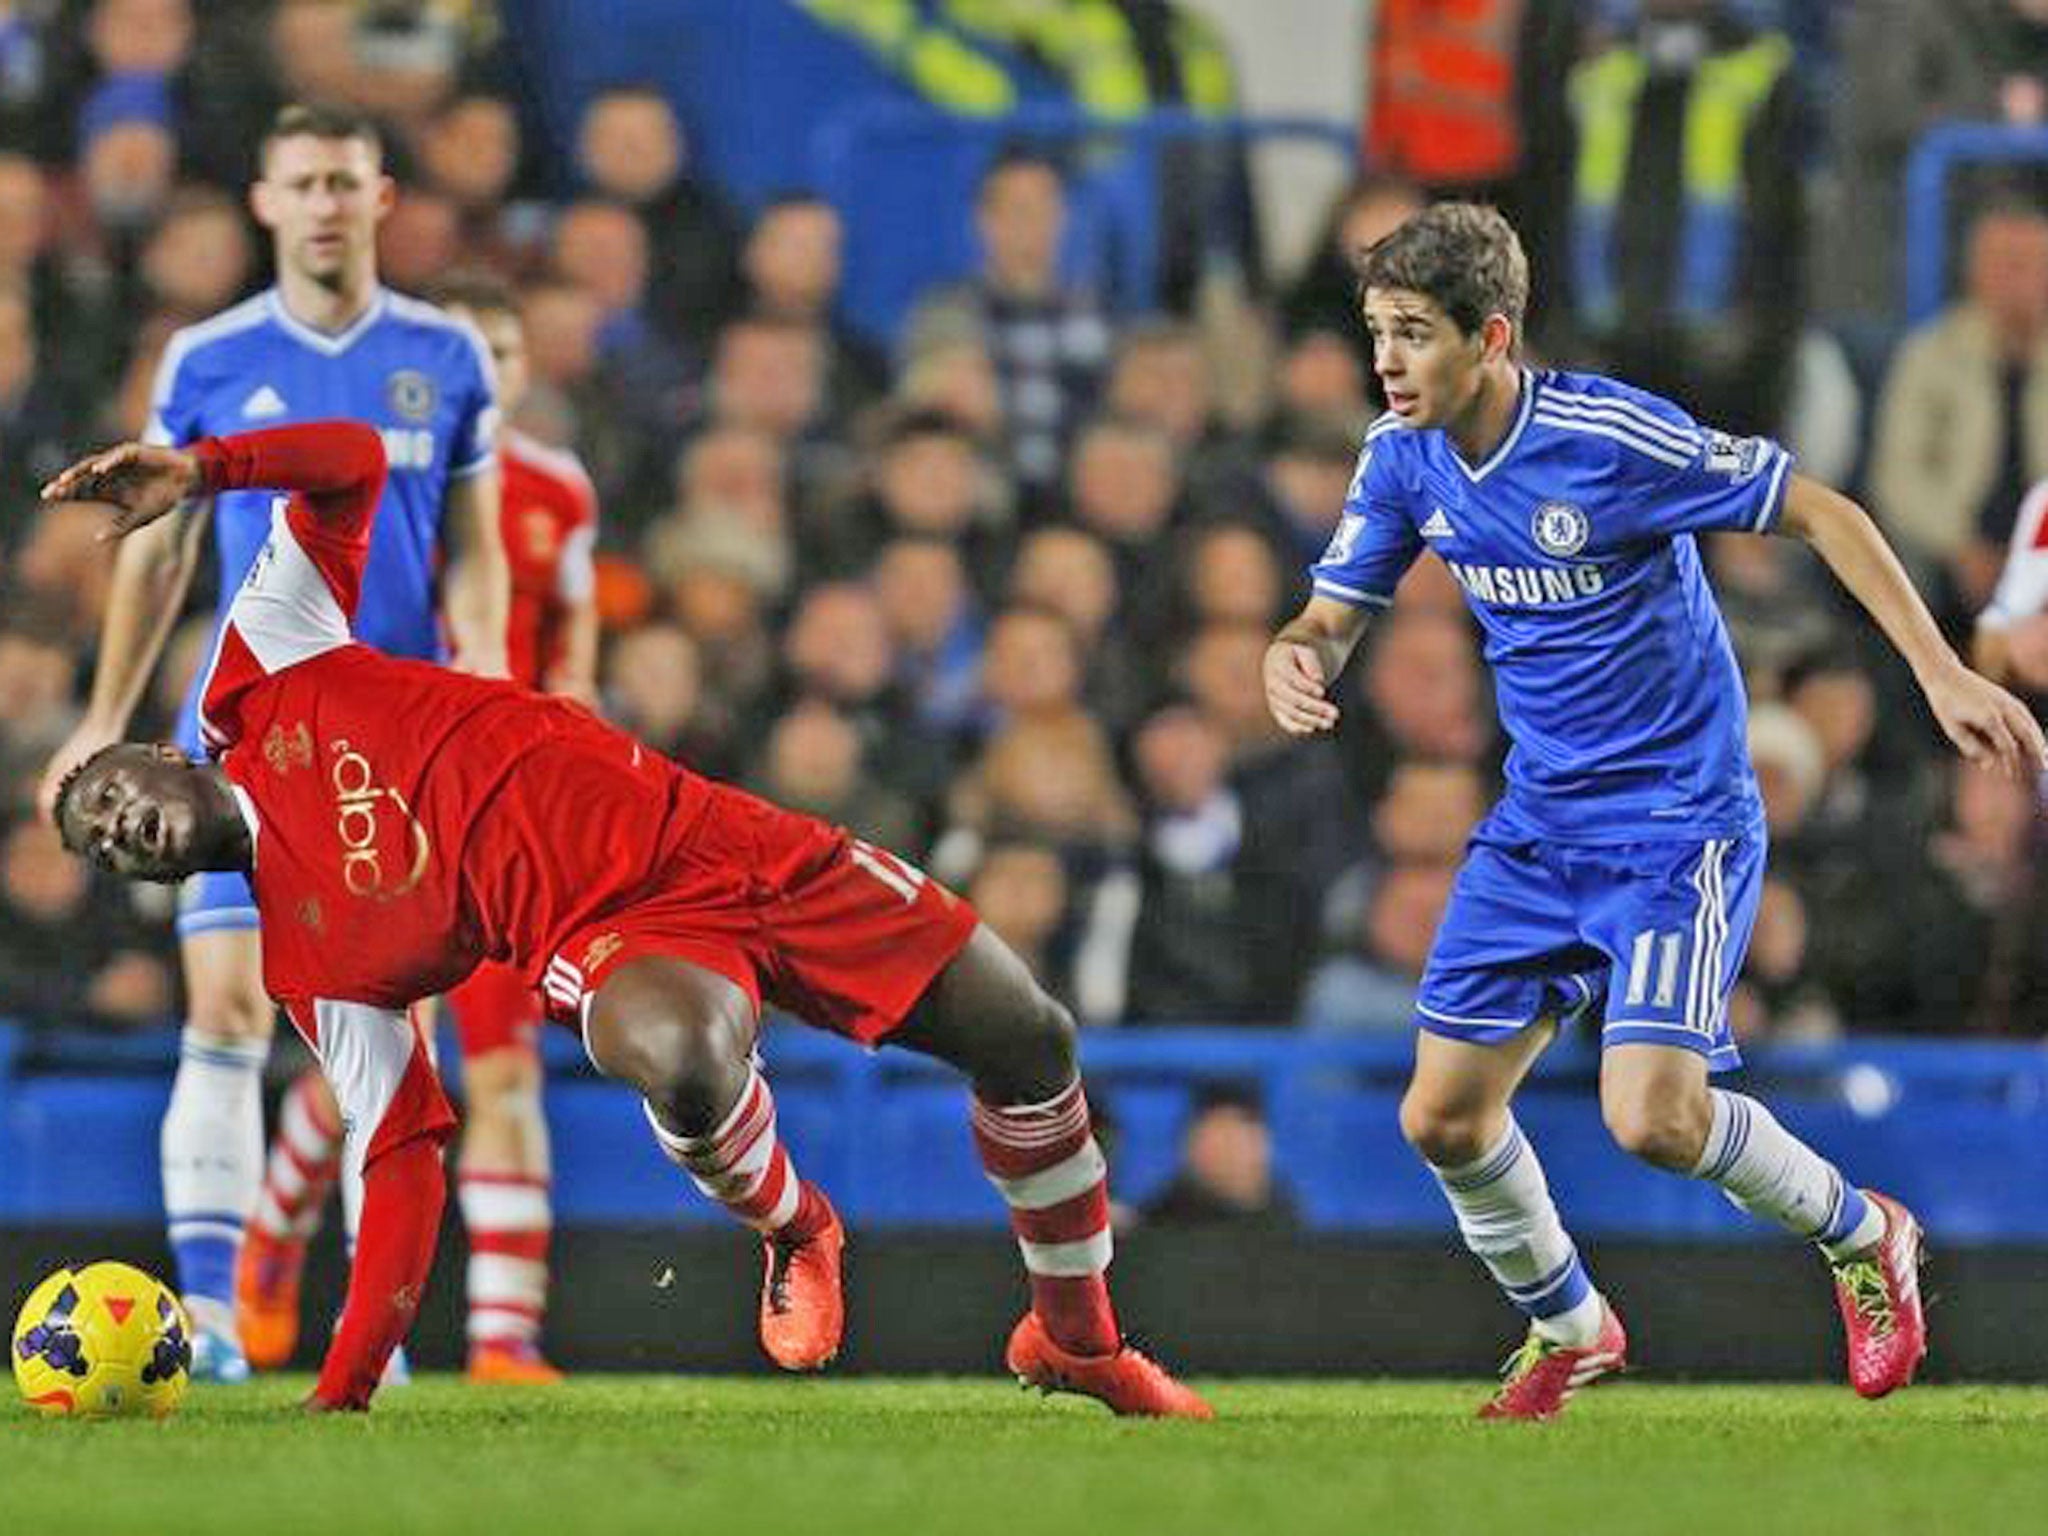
(326, 341)
(1617, 880)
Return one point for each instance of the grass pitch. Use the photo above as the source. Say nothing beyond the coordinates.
(717, 1457)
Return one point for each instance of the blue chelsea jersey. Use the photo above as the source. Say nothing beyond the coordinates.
(1574, 546)
(414, 372)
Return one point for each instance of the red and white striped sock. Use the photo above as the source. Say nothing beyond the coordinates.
(1043, 1160)
(305, 1160)
(744, 1167)
(509, 1218)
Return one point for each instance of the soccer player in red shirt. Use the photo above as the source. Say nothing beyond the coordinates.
(549, 523)
(400, 824)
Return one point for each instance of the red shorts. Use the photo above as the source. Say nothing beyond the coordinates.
(794, 911)
(495, 1010)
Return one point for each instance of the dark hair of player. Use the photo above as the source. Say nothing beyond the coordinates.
(308, 120)
(480, 293)
(1464, 256)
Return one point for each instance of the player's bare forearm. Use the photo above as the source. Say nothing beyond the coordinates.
(152, 573)
(1304, 658)
(477, 598)
(1846, 539)
(576, 673)
(1987, 724)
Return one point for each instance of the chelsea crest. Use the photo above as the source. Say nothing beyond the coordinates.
(1560, 528)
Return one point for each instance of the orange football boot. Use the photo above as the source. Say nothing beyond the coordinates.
(1129, 1381)
(803, 1309)
(267, 1298)
(508, 1364)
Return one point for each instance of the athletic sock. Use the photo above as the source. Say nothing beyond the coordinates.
(1043, 1160)
(305, 1160)
(1504, 1210)
(404, 1193)
(212, 1157)
(1767, 1171)
(743, 1165)
(508, 1216)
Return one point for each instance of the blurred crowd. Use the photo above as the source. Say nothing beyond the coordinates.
(994, 591)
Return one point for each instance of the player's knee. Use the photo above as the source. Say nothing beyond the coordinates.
(689, 1065)
(1033, 1056)
(1665, 1129)
(1445, 1136)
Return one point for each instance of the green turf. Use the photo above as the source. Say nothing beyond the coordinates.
(704, 1457)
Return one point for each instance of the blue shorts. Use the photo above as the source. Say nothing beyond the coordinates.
(1651, 935)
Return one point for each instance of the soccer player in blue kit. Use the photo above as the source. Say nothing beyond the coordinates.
(1618, 876)
(327, 341)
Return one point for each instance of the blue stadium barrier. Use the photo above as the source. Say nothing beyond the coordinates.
(1958, 1128)
(1936, 155)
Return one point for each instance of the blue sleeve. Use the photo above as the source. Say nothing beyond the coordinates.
(1679, 477)
(174, 400)
(475, 444)
(1376, 539)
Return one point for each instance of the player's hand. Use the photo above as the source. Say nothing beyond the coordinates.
(1988, 725)
(143, 481)
(88, 737)
(1296, 690)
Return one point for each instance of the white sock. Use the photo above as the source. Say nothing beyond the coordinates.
(1504, 1210)
(1767, 1171)
(211, 1149)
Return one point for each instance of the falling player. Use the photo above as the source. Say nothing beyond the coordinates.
(327, 340)
(400, 823)
(502, 1181)
(1619, 874)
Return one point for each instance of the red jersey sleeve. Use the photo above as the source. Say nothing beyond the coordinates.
(300, 594)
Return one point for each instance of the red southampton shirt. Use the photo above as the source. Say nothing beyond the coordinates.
(549, 519)
(410, 821)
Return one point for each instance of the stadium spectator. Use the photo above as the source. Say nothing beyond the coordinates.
(1050, 343)
(792, 265)
(1322, 379)
(199, 257)
(1190, 960)
(936, 624)
(1020, 890)
(1681, 247)
(36, 425)
(1323, 298)
(1962, 423)
(1424, 696)
(814, 762)
(1907, 67)
(630, 149)
(1778, 999)
(956, 376)
(420, 240)
(1073, 572)
(1226, 1179)
(1370, 988)
(67, 953)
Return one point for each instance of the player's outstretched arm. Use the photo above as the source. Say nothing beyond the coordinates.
(1305, 658)
(1987, 724)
